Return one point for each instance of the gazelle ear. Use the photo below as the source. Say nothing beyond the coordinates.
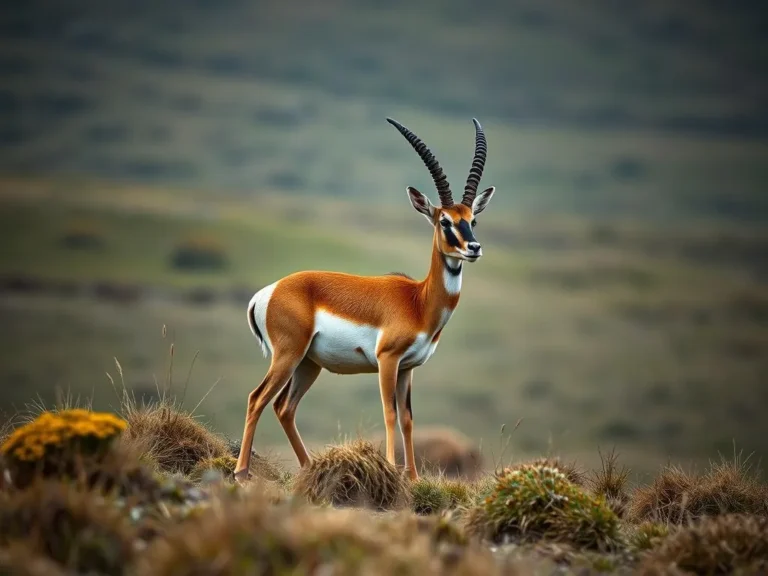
(422, 204)
(482, 199)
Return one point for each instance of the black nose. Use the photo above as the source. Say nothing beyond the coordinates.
(474, 247)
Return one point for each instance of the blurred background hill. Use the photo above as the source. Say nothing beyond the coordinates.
(160, 161)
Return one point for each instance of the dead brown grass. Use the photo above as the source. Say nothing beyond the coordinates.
(18, 559)
(77, 529)
(256, 537)
(714, 545)
(676, 496)
(611, 483)
(353, 473)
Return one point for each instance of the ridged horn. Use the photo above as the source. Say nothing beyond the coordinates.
(478, 163)
(441, 182)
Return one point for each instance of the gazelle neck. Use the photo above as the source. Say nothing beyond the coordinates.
(442, 286)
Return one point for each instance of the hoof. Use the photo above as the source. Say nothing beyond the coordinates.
(242, 476)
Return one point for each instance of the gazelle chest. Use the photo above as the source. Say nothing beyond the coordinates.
(425, 343)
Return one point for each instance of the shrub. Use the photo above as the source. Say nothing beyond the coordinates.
(352, 474)
(199, 253)
(538, 502)
(674, 495)
(83, 235)
(59, 443)
(715, 545)
(77, 529)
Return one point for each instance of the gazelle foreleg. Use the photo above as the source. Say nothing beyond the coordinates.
(280, 371)
(405, 413)
(387, 385)
(288, 400)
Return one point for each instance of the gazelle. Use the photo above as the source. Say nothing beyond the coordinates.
(351, 324)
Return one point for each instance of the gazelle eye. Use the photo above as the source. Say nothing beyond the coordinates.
(446, 223)
(474, 223)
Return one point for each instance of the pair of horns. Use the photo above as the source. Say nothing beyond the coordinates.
(441, 182)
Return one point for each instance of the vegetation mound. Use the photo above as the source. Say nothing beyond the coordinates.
(531, 503)
(674, 496)
(353, 474)
(714, 545)
(571, 471)
(171, 438)
(431, 495)
(78, 529)
(59, 444)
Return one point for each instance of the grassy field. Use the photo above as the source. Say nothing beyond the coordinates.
(594, 333)
(150, 490)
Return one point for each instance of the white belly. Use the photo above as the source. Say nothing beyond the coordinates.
(342, 346)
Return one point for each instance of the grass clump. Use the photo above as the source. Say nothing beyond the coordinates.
(430, 495)
(353, 474)
(171, 438)
(83, 235)
(199, 253)
(531, 503)
(59, 443)
(714, 545)
(648, 535)
(675, 496)
(611, 483)
(78, 529)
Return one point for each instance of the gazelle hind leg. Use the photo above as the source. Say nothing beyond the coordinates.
(288, 400)
(280, 371)
(405, 414)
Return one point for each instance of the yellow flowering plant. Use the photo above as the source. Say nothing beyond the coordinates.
(46, 441)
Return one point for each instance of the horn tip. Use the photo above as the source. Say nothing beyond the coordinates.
(477, 124)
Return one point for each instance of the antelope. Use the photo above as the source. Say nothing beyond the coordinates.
(352, 324)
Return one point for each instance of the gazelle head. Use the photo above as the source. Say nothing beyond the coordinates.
(454, 223)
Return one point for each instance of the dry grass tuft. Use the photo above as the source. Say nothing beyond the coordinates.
(675, 496)
(79, 530)
(611, 483)
(353, 474)
(532, 503)
(18, 559)
(714, 545)
(171, 438)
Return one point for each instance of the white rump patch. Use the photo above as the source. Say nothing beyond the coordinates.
(260, 302)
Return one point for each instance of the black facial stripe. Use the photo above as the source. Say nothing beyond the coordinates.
(451, 238)
(466, 231)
